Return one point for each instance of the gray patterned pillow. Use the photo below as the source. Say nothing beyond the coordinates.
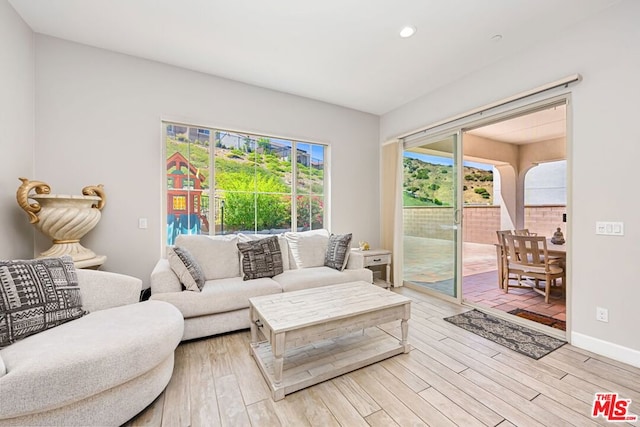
(186, 268)
(261, 258)
(36, 295)
(338, 251)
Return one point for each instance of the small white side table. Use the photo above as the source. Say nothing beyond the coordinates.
(375, 257)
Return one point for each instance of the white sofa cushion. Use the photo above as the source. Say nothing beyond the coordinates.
(219, 296)
(87, 356)
(101, 290)
(217, 256)
(308, 248)
(294, 280)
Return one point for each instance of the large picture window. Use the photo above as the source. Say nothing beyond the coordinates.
(233, 182)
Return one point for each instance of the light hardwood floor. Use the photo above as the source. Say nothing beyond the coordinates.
(450, 377)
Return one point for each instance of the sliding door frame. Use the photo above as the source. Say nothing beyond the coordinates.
(512, 109)
(532, 107)
(457, 211)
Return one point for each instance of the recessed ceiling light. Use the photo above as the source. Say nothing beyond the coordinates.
(407, 31)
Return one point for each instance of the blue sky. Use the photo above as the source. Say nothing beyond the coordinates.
(317, 151)
(445, 161)
(544, 184)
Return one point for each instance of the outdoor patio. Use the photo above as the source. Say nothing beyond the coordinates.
(429, 263)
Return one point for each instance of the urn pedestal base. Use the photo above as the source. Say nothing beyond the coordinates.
(82, 257)
(74, 249)
(92, 263)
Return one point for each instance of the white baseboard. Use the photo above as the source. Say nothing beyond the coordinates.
(605, 348)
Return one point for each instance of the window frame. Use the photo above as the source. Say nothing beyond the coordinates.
(211, 191)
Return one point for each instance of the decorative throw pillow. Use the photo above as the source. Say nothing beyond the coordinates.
(338, 251)
(217, 256)
(186, 268)
(36, 295)
(308, 248)
(261, 258)
(282, 241)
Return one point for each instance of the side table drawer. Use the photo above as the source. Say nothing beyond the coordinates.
(377, 260)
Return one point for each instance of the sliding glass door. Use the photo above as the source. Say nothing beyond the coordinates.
(431, 214)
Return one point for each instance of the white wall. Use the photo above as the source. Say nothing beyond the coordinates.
(98, 121)
(16, 129)
(603, 160)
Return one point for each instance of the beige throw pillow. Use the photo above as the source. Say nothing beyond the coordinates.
(217, 256)
(308, 248)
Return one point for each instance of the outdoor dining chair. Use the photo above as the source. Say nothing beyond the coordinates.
(527, 258)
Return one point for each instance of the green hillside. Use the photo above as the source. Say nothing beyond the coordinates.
(428, 184)
(241, 173)
(234, 161)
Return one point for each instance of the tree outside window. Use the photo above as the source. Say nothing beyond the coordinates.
(262, 184)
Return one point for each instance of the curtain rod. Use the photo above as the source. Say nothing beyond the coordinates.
(562, 82)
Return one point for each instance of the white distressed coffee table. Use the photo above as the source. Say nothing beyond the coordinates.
(317, 334)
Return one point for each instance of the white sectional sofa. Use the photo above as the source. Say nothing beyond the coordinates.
(223, 303)
(98, 370)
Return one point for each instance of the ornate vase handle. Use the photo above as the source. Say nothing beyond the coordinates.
(96, 190)
(22, 196)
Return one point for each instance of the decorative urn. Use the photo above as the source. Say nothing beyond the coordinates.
(65, 219)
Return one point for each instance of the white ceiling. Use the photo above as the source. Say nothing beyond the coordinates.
(345, 52)
(535, 127)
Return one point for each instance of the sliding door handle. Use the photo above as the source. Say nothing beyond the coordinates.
(457, 216)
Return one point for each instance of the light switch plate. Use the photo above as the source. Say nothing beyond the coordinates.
(608, 228)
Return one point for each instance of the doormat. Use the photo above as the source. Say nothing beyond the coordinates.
(515, 337)
(540, 318)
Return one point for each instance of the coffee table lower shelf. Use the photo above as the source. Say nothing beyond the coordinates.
(323, 360)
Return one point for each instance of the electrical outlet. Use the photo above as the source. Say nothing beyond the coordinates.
(602, 314)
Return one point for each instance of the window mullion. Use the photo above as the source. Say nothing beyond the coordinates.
(294, 186)
(255, 189)
(213, 213)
